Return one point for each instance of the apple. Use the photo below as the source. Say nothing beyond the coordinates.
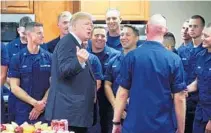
(19, 129)
(2, 127)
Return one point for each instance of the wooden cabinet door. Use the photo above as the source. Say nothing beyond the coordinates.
(97, 8)
(18, 6)
(132, 10)
(46, 12)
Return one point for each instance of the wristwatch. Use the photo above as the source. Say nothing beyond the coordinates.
(116, 123)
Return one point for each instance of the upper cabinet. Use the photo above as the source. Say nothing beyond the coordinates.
(130, 10)
(17, 6)
(97, 8)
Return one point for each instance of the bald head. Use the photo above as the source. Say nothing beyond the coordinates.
(156, 28)
(157, 20)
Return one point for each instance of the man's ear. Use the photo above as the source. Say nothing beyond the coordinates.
(165, 30)
(18, 29)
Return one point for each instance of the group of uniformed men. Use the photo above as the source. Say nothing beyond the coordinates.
(28, 60)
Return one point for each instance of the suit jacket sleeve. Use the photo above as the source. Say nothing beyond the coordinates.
(68, 63)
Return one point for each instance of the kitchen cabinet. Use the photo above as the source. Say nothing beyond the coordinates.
(130, 10)
(47, 12)
(97, 8)
(17, 6)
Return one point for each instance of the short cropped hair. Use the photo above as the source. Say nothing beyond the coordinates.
(170, 37)
(64, 14)
(30, 26)
(24, 20)
(98, 27)
(134, 29)
(80, 15)
(199, 17)
(113, 9)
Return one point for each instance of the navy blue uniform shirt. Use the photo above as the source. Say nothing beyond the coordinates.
(114, 42)
(34, 71)
(203, 72)
(152, 74)
(181, 48)
(175, 51)
(4, 56)
(14, 47)
(4, 62)
(113, 71)
(96, 67)
(104, 56)
(189, 56)
(52, 44)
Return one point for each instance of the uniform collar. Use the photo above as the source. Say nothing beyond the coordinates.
(106, 50)
(155, 43)
(192, 46)
(113, 40)
(27, 53)
(121, 55)
(19, 43)
(206, 55)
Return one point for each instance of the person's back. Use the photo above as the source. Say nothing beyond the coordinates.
(153, 90)
(151, 75)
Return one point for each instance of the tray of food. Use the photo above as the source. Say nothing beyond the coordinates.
(57, 126)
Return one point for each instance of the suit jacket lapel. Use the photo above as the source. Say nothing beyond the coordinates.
(75, 41)
(90, 69)
(87, 62)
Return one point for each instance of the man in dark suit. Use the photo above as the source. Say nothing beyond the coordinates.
(72, 92)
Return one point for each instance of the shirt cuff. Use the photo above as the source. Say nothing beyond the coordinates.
(83, 65)
(13, 74)
(179, 87)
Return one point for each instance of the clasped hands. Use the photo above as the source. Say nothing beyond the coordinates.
(37, 110)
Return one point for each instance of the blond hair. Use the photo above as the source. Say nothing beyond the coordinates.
(80, 15)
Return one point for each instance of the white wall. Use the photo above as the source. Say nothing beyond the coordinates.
(176, 12)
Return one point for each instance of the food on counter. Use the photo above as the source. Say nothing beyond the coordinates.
(2, 127)
(18, 129)
(38, 131)
(57, 126)
(27, 128)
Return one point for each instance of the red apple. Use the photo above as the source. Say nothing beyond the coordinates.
(19, 129)
(2, 127)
